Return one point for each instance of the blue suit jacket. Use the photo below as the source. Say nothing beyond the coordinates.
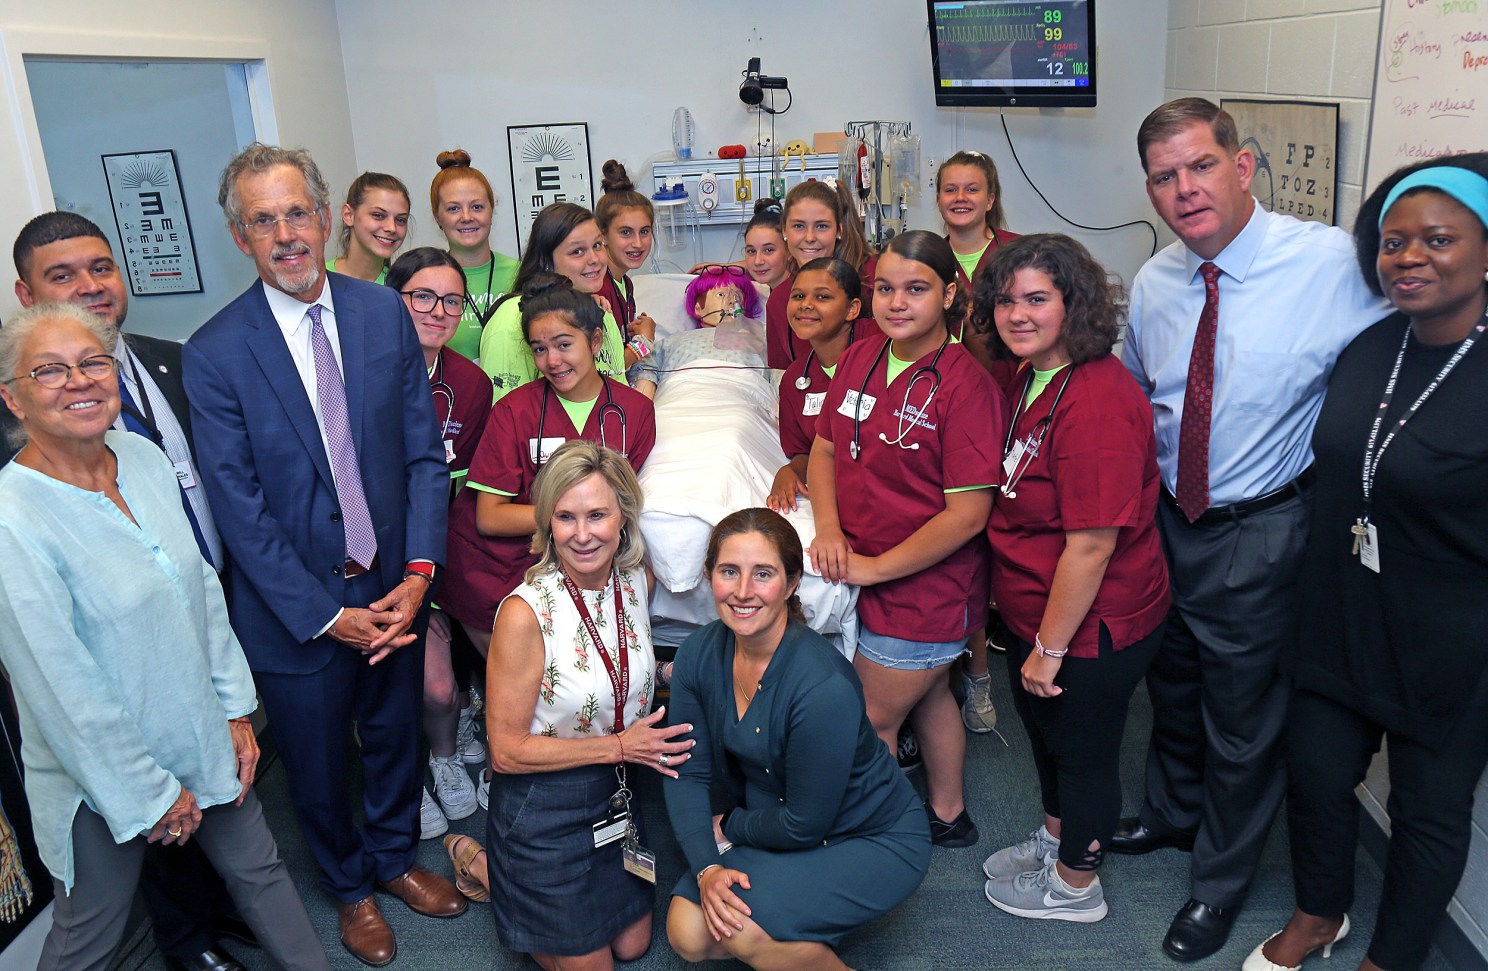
(268, 478)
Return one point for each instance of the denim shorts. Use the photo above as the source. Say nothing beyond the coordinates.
(906, 655)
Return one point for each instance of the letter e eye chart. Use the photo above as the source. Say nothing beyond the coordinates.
(549, 163)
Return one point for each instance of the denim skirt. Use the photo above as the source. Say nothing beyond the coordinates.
(552, 891)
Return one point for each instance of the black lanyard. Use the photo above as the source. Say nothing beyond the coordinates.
(490, 310)
(142, 411)
(1372, 456)
(619, 680)
(626, 309)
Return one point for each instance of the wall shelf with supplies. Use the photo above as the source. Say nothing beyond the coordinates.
(731, 211)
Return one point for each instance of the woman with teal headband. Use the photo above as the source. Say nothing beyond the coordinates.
(1393, 643)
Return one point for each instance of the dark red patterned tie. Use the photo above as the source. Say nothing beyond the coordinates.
(1198, 405)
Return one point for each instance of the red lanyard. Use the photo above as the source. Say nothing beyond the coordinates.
(619, 679)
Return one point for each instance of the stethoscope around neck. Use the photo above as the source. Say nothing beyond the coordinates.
(437, 386)
(1009, 489)
(611, 406)
(804, 381)
(906, 417)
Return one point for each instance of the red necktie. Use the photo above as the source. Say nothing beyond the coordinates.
(1198, 405)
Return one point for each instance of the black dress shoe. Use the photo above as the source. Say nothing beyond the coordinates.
(212, 959)
(235, 928)
(1133, 838)
(1198, 931)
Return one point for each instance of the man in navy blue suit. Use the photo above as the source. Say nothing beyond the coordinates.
(320, 454)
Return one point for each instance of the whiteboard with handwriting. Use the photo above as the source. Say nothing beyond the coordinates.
(1431, 85)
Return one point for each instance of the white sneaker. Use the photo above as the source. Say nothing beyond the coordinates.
(1042, 895)
(483, 791)
(452, 787)
(1034, 853)
(977, 712)
(467, 743)
(432, 823)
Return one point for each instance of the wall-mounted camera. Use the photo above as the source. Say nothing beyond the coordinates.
(752, 89)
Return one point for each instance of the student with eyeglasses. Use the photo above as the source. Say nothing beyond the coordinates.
(432, 284)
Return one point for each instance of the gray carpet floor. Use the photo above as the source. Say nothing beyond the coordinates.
(947, 924)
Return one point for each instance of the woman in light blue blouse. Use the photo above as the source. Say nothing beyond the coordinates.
(133, 692)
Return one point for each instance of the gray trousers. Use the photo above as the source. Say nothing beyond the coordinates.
(1219, 700)
(88, 924)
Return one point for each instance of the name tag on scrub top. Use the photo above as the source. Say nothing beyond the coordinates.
(542, 452)
(184, 477)
(852, 409)
(1010, 463)
(814, 402)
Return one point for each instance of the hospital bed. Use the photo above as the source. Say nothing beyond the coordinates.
(717, 451)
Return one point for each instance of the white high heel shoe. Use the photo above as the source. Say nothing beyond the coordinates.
(1257, 960)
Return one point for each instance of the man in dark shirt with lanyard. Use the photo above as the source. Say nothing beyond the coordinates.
(61, 256)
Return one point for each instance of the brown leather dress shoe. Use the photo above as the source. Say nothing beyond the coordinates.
(366, 934)
(426, 892)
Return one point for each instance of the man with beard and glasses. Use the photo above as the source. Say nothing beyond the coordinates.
(321, 456)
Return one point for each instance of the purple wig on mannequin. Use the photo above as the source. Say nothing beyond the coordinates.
(716, 276)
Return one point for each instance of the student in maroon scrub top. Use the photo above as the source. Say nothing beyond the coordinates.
(625, 216)
(819, 220)
(1077, 567)
(902, 476)
(765, 254)
(969, 197)
(432, 285)
(823, 305)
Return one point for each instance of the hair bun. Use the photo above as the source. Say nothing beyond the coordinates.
(615, 178)
(767, 205)
(458, 158)
(543, 282)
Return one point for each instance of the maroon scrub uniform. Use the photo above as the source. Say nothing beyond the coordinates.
(897, 484)
(487, 568)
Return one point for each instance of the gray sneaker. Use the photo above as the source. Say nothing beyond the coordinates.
(431, 818)
(452, 787)
(977, 712)
(1041, 895)
(467, 739)
(1034, 853)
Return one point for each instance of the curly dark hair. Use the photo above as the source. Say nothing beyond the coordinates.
(1367, 224)
(1092, 315)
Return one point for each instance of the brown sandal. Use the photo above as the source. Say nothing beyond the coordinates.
(462, 852)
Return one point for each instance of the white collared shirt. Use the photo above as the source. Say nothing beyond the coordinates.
(1290, 299)
(293, 317)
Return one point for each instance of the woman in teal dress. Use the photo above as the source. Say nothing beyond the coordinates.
(820, 831)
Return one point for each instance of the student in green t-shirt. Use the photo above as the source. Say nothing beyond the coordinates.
(464, 205)
(374, 223)
(567, 241)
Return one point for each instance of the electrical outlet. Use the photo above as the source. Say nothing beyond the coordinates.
(743, 190)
